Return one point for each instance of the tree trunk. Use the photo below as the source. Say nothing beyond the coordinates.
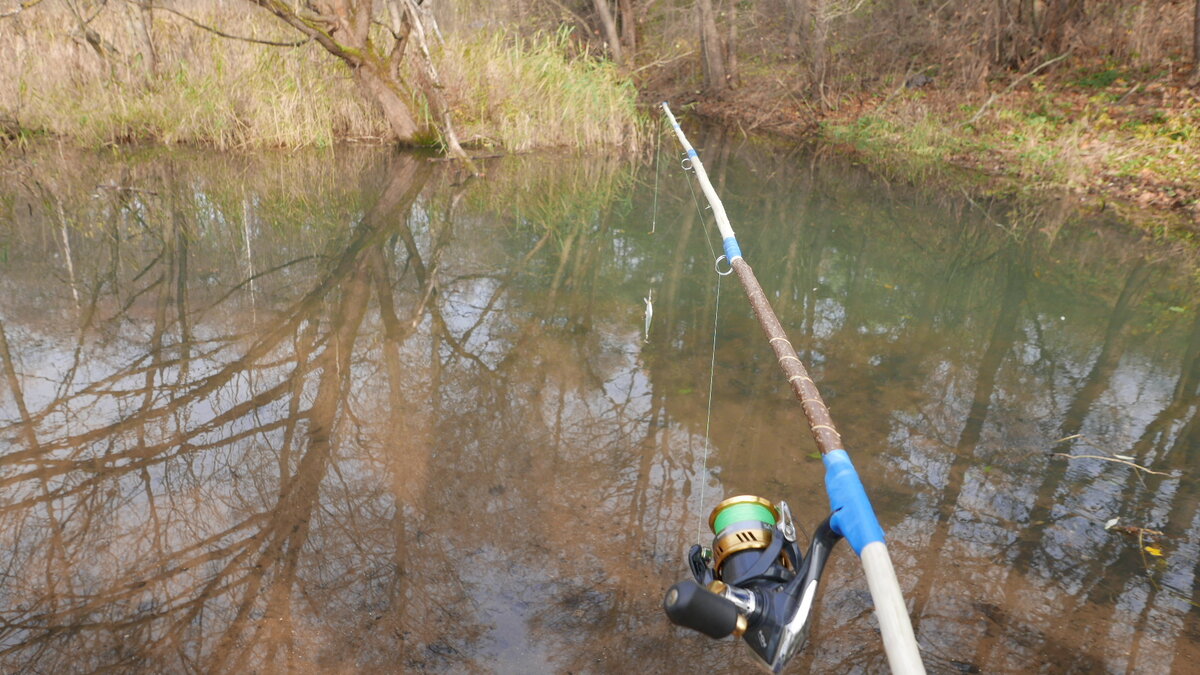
(428, 18)
(432, 87)
(343, 28)
(1026, 16)
(140, 26)
(819, 47)
(379, 88)
(1195, 79)
(609, 26)
(801, 19)
(730, 48)
(716, 80)
(628, 29)
(1060, 16)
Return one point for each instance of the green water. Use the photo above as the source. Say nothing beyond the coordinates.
(354, 411)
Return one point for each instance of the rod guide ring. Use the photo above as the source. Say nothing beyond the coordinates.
(717, 265)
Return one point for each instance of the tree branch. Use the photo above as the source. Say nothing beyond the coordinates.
(20, 8)
(223, 34)
(307, 25)
(583, 23)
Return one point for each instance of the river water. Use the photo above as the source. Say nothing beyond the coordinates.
(352, 412)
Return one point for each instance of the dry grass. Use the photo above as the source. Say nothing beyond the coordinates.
(525, 93)
(233, 94)
(207, 90)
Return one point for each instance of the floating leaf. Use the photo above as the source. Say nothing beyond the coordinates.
(814, 455)
(1127, 458)
(1177, 310)
(685, 391)
(1111, 523)
(1153, 550)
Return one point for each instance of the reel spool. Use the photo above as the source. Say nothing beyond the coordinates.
(740, 524)
(753, 582)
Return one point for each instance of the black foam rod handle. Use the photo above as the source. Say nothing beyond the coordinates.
(690, 605)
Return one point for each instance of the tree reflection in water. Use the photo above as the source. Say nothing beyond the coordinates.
(356, 416)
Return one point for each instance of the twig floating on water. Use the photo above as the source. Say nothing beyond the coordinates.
(1115, 525)
(1113, 459)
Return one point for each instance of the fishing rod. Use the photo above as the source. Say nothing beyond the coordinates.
(753, 582)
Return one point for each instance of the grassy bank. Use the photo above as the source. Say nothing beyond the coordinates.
(1130, 140)
(93, 85)
(1101, 101)
(1089, 130)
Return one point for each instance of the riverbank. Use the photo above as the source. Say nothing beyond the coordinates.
(1124, 135)
(234, 78)
(1121, 140)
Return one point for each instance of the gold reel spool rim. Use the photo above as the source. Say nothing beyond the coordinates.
(740, 499)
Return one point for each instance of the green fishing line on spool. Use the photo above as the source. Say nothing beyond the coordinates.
(736, 513)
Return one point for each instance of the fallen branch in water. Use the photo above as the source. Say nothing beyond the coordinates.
(1113, 459)
(1115, 525)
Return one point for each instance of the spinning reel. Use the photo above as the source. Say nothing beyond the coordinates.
(753, 582)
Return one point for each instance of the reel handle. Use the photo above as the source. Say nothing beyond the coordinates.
(690, 605)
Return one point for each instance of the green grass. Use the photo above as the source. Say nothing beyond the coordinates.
(909, 138)
(1099, 79)
(1048, 139)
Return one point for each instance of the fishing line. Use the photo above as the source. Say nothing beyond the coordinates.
(687, 167)
(712, 365)
(657, 162)
(712, 371)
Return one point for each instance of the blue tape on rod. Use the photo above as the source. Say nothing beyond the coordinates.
(732, 250)
(692, 153)
(853, 517)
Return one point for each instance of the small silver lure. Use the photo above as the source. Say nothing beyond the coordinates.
(649, 299)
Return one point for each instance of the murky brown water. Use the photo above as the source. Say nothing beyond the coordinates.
(348, 413)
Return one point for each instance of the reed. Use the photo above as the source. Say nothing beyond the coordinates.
(520, 93)
(507, 92)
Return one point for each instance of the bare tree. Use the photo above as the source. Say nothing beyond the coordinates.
(712, 50)
(609, 25)
(343, 28)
